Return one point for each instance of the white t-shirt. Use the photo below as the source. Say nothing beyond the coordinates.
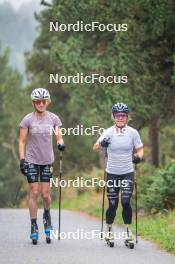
(121, 148)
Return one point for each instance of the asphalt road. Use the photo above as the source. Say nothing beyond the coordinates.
(16, 247)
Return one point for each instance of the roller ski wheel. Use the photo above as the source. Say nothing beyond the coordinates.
(109, 237)
(48, 240)
(34, 234)
(129, 242)
(34, 241)
(47, 227)
(110, 243)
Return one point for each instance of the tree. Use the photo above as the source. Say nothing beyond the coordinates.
(145, 53)
(12, 106)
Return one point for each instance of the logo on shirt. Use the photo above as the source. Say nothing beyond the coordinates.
(44, 129)
(121, 131)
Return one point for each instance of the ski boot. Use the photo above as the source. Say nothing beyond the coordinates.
(129, 241)
(109, 237)
(47, 226)
(34, 233)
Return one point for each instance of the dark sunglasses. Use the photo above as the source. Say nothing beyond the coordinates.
(120, 116)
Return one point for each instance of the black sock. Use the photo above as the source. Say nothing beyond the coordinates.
(46, 211)
(33, 221)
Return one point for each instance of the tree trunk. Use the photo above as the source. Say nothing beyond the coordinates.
(154, 142)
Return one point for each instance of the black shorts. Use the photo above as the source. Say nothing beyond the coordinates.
(116, 185)
(38, 173)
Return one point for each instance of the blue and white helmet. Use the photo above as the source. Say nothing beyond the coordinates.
(40, 94)
(120, 108)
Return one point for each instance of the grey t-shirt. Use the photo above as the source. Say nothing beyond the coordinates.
(120, 149)
(39, 147)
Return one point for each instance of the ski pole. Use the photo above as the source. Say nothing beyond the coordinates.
(103, 198)
(14, 203)
(136, 215)
(60, 176)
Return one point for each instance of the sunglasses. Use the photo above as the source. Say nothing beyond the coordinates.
(38, 102)
(120, 116)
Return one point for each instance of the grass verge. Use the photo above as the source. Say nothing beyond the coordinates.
(158, 228)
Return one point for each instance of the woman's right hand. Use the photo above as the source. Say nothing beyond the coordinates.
(23, 166)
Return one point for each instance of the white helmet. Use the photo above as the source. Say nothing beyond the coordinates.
(39, 94)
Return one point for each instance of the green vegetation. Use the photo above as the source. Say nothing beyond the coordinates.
(161, 193)
(146, 54)
(11, 93)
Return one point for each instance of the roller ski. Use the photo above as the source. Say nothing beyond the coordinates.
(129, 241)
(109, 237)
(47, 226)
(34, 233)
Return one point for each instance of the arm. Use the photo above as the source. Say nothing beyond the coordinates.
(138, 148)
(22, 142)
(140, 152)
(138, 155)
(103, 141)
(59, 137)
(96, 147)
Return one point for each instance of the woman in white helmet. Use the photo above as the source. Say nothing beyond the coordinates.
(36, 156)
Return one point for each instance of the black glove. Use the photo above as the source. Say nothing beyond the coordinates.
(24, 166)
(61, 147)
(136, 159)
(105, 142)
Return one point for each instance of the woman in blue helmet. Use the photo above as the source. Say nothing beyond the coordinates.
(124, 147)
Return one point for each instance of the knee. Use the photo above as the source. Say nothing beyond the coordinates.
(113, 204)
(34, 194)
(125, 203)
(45, 196)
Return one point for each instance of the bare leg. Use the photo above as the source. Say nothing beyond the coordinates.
(45, 192)
(33, 196)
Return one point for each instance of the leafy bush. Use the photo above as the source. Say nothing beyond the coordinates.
(161, 193)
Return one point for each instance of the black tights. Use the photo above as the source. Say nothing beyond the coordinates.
(125, 183)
